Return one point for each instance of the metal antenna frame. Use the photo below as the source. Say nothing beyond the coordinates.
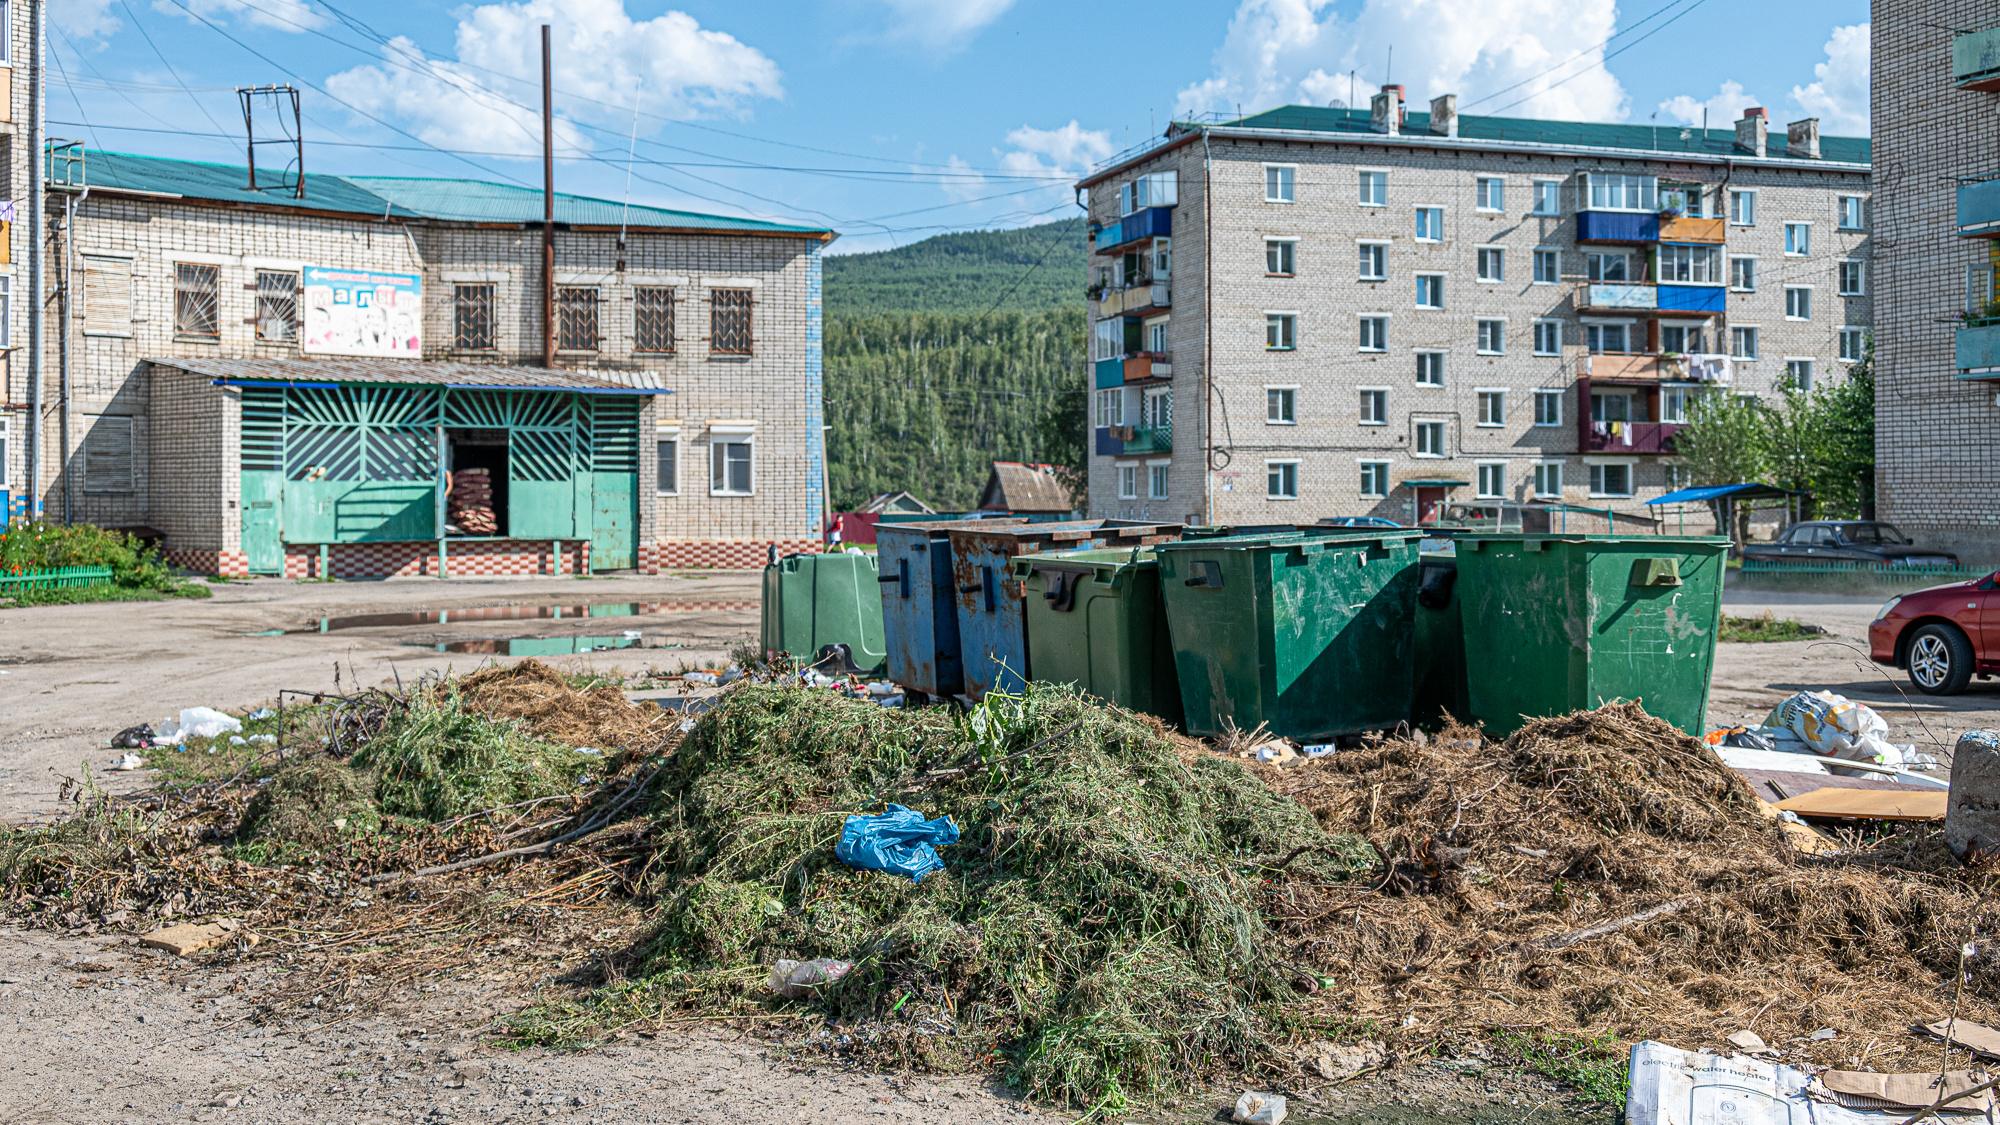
(249, 96)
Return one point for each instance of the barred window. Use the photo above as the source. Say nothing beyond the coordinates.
(576, 320)
(653, 319)
(277, 307)
(194, 300)
(729, 321)
(472, 317)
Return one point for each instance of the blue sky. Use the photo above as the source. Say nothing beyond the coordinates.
(892, 120)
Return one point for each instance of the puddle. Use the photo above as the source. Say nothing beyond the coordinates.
(518, 613)
(536, 646)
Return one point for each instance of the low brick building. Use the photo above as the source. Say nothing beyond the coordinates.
(267, 380)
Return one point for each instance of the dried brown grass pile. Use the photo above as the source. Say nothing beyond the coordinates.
(1604, 874)
(544, 699)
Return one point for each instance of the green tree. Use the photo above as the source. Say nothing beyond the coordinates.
(1843, 463)
(1724, 442)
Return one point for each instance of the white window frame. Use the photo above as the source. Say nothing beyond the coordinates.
(1549, 191)
(1686, 393)
(1289, 395)
(1281, 178)
(1755, 337)
(1700, 260)
(1436, 356)
(720, 436)
(1280, 465)
(1601, 323)
(1752, 260)
(1494, 255)
(1379, 469)
(1811, 371)
(1381, 344)
(4, 436)
(1153, 334)
(1378, 396)
(1435, 282)
(1108, 338)
(1436, 236)
(1805, 239)
(1804, 300)
(1545, 395)
(1500, 336)
(1598, 257)
(1479, 400)
(1840, 204)
(1379, 257)
(667, 435)
(1361, 186)
(1499, 471)
(1628, 464)
(1114, 399)
(1743, 207)
(1128, 480)
(1420, 427)
(1490, 193)
(1683, 328)
(1648, 191)
(1860, 277)
(1158, 480)
(1290, 253)
(1860, 348)
(1540, 481)
(1543, 324)
(1554, 259)
(1287, 324)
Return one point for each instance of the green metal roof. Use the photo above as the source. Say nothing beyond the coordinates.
(1666, 139)
(447, 200)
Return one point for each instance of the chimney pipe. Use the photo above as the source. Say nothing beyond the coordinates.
(1802, 139)
(1750, 131)
(1444, 115)
(1385, 111)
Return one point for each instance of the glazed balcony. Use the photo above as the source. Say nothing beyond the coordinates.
(1639, 296)
(1617, 226)
(1152, 222)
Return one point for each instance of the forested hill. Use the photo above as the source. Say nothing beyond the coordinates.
(949, 354)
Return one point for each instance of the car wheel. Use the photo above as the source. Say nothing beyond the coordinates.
(1940, 660)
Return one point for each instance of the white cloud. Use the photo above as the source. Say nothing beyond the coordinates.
(1056, 156)
(961, 182)
(603, 61)
(87, 18)
(1840, 98)
(944, 23)
(1722, 110)
(1070, 150)
(1287, 51)
(279, 15)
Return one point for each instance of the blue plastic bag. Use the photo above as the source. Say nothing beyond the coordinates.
(899, 841)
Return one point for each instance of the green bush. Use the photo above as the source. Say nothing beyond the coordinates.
(38, 545)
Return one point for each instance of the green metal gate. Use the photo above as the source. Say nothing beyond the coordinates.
(614, 480)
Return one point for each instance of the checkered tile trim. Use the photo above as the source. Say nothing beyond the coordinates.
(485, 559)
(236, 564)
(749, 555)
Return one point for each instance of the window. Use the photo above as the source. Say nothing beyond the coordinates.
(1156, 408)
(1493, 408)
(1156, 337)
(1613, 191)
(3, 453)
(729, 463)
(1850, 209)
(1111, 407)
(1374, 407)
(1155, 189)
(1430, 290)
(1163, 259)
(1374, 189)
(669, 450)
(1374, 333)
(1280, 331)
(1613, 406)
(729, 321)
(6, 34)
(1548, 337)
(1694, 265)
(1853, 344)
(1281, 480)
(1374, 261)
(107, 453)
(1851, 281)
(1800, 372)
(1430, 224)
(1430, 369)
(1798, 238)
(1492, 337)
(1374, 479)
(1278, 257)
(1686, 199)
(1548, 407)
(472, 317)
(1548, 197)
(194, 301)
(1743, 343)
(1743, 208)
(1683, 339)
(1430, 439)
(1549, 478)
(1548, 267)
(1492, 193)
(277, 307)
(1743, 274)
(1281, 406)
(1108, 340)
(1798, 302)
(1156, 481)
(107, 294)
(1607, 265)
(1674, 402)
(1602, 338)
(1492, 264)
(1278, 183)
(576, 319)
(1128, 482)
(653, 319)
(1611, 480)
(1492, 482)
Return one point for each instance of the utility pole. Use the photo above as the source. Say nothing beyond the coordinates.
(37, 18)
(548, 210)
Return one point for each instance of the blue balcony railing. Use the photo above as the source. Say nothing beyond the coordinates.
(1153, 222)
(1151, 439)
(1979, 352)
(1979, 206)
(1975, 59)
(1692, 298)
(1617, 226)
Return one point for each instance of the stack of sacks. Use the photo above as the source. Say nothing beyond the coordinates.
(470, 504)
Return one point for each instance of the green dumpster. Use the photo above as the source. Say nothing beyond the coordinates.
(1311, 633)
(1096, 619)
(1441, 693)
(813, 601)
(1555, 624)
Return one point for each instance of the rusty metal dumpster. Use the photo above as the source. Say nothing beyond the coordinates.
(919, 617)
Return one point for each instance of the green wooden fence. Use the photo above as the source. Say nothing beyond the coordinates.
(1927, 573)
(53, 579)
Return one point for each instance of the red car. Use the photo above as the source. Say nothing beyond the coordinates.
(1943, 635)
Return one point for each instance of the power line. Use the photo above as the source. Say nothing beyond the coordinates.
(1580, 54)
(170, 66)
(1607, 58)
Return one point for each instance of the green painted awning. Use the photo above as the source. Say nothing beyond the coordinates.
(1439, 483)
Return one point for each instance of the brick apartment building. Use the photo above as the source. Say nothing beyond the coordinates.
(278, 383)
(1325, 312)
(1936, 88)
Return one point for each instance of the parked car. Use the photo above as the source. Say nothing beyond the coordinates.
(1942, 635)
(1861, 541)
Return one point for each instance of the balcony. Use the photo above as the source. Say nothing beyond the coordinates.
(1153, 222)
(1141, 298)
(1139, 367)
(1150, 439)
(1109, 444)
(1688, 229)
(1639, 296)
(1617, 226)
(1630, 437)
(1979, 351)
(1979, 206)
(1612, 367)
(1975, 59)
(1692, 298)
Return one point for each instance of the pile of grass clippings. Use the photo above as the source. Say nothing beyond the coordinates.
(440, 759)
(546, 701)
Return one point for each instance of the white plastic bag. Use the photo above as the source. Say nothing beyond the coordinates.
(196, 722)
(800, 980)
(1255, 1108)
(1834, 726)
